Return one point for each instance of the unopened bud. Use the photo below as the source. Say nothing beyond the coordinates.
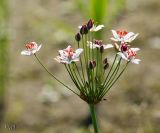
(124, 47)
(106, 66)
(78, 37)
(84, 29)
(105, 61)
(90, 24)
(102, 49)
(92, 64)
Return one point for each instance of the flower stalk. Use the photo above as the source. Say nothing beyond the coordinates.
(94, 118)
(53, 75)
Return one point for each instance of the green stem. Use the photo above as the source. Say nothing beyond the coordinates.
(53, 75)
(109, 87)
(110, 70)
(72, 77)
(94, 119)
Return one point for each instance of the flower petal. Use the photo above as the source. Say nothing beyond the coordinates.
(115, 34)
(128, 35)
(122, 55)
(96, 28)
(99, 27)
(76, 59)
(135, 61)
(26, 53)
(78, 51)
(34, 51)
(39, 47)
(108, 46)
(80, 26)
(57, 59)
(114, 39)
(135, 49)
(132, 38)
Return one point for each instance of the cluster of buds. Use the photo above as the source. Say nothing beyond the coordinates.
(88, 66)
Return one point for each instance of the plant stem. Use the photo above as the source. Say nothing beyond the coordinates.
(54, 76)
(94, 119)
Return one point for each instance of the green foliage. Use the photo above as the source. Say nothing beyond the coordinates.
(102, 11)
(98, 9)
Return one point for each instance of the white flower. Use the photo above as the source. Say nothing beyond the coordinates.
(96, 28)
(130, 55)
(98, 44)
(68, 56)
(123, 36)
(32, 48)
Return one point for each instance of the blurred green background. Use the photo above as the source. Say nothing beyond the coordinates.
(31, 100)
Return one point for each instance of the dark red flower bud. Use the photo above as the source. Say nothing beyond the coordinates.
(92, 64)
(105, 61)
(123, 47)
(106, 66)
(84, 29)
(90, 24)
(102, 49)
(78, 37)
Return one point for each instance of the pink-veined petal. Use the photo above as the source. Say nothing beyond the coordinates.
(77, 53)
(61, 52)
(68, 47)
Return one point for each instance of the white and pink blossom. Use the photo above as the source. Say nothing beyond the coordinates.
(123, 36)
(98, 44)
(68, 55)
(130, 55)
(32, 48)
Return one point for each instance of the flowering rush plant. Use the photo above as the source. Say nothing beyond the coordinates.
(90, 69)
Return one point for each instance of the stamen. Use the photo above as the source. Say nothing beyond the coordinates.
(122, 33)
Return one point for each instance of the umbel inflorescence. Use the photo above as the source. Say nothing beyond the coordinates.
(89, 67)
